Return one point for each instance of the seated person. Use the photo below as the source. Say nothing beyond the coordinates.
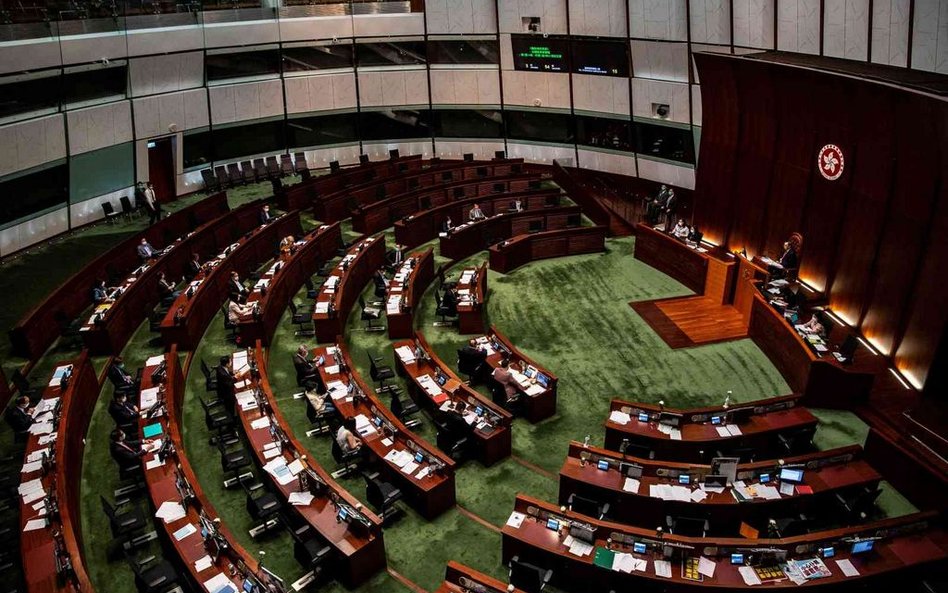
(145, 250)
(20, 417)
(236, 288)
(307, 375)
(450, 301)
(447, 225)
(100, 294)
(471, 359)
(815, 325)
(695, 235)
(516, 206)
(236, 311)
(227, 379)
(287, 246)
(793, 297)
(125, 452)
(681, 230)
(122, 411)
(121, 379)
(166, 289)
(381, 282)
(476, 213)
(265, 216)
(194, 267)
(506, 380)
(345, 438)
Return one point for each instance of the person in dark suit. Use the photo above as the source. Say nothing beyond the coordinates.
(145, 250)
(100, 294)
(194, 267)
(669, 209)
(790, 259)
(506, 380)
(122, 411)
(125, 452)
(476, 213)
(450, 301)
(695, 235)
(265, 217)
(121, 379)
(20, 417)
(398, 254)
(471, 360)
(307, 375)
(140, 196)
(238, 292)
(447, 225)
(152, 204)
(226, 379)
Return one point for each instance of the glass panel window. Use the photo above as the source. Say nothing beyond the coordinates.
(249, 139)
(322, 130)
(33, 192)
(97, 83)
(468, 123)
(665, 142)
(464, 52)
(198, 149)
(30, 95)
(399, 53)
(317, 57)
(242, 64)
(603, 132)
(394, 125)
(539, 126)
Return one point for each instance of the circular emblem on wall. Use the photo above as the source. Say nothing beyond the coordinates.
(830, 161)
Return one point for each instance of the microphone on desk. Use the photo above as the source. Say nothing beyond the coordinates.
(727, 400)
(624, 446)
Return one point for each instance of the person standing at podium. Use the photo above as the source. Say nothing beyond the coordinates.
(476, 213)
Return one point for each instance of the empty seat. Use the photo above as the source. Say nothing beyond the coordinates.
(210, 181)
(246, 168)
(220, 172)
(260, 169)
(234, 174)
(273, 167)
(299, 162)
(286, 164)
(109, 212)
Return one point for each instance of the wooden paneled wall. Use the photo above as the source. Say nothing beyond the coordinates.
(876, 239)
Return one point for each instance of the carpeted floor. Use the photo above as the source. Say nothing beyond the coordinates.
(570, 314)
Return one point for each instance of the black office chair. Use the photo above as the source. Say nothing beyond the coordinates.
(687, 526)
(210, 378)
(157, 578)
(442, 281)
(745, 454)
(404, 411)
(210, 181)
(454, 440)
(311, 290)
(794, 526)
(856, 507)
(109, 212)
(587, 506)
(310, 550)
(444, 311)
(233, 460)
(123, 523)
(798, 441)
(127, 209)
(216, 417)
(262, 505)
(527, 577)
(68, 328)
(369, 315)
(473, 368)
(301, 318)
(382, 495)
(380, 373)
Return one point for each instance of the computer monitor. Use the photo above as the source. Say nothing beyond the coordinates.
(763, 478)
(603, 464)
(552, 524)
(377, 421)
(631, 470)
(342, 514)
(643, 417)
(543, 380)
(791, 475)
(248, 586)
(861, 547)
(684, 479)
(639, 548)
(737, 558)
(479, 411)
(419, 457)
(828, 552)
(715, 481)
(669, 419)
(716, 420)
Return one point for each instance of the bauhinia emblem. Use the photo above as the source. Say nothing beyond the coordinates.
(830, 161)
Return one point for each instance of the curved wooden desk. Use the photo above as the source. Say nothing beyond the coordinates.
(171, 479)
(52, 552)
(275, 289)
(405, 290)
(341, 203)
(491, 429)
(827, 473)
(38, 328)
(358, 540)
(467, 239)
(910, 543)
(431, 494)
(463, 579)
(539, 401)
(756, 425)
(303, 194)
(472, 298)
(522, 249)
(372, 217)
(342, 288)
(188, 317)
(425, 225)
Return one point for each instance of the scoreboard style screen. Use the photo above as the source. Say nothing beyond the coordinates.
(536, 53)
(600, 57)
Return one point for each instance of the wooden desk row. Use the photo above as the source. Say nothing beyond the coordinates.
(346, 202)
(522, 249)
(405, 290)
(538, 384)
(342, 288)
(463, 579)
(469, 238)
(276, 288)
(304, 194)
(188, 317)
(51, 549)
(39, 327)
(434, 386)
(472, 298)
(357, 540)
(426, 225)
(537, 531)
(429, 486)
(375, 216)
(209, 550)
(603, 476)
(696, 435)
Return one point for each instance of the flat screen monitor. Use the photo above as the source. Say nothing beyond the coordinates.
(764, 478)
(479, 411)
(793, 476)
(603, 464)
(643, 417)
(828, 552)
(669, 419)
(737, 558)
(684, 479)
(552, 524)
(600, 57)
(862, 547)
(342, 514)
(543, 380)
(638, 548)
(248, 586)
(540, 54)
(715, 481)
(419, 457)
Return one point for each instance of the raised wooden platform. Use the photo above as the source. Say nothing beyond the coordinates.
(692, 321)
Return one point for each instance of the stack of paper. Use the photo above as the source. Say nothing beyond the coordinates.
(706, 567)
(734, 430)
(220, 583)
(149, 397)
(246, 400)
(405, 354)
(393, 305)
(170, 511)
(619, 417)
(663, 568)
(300, 499)
(847, 567)
(578, 547)
(262, 422)
(624, 562)
(631, 485)
(364, 426)
(429, 385)
(321, 307)
(749, 575)
(277, 468)
(31, 491)
(516, 519)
